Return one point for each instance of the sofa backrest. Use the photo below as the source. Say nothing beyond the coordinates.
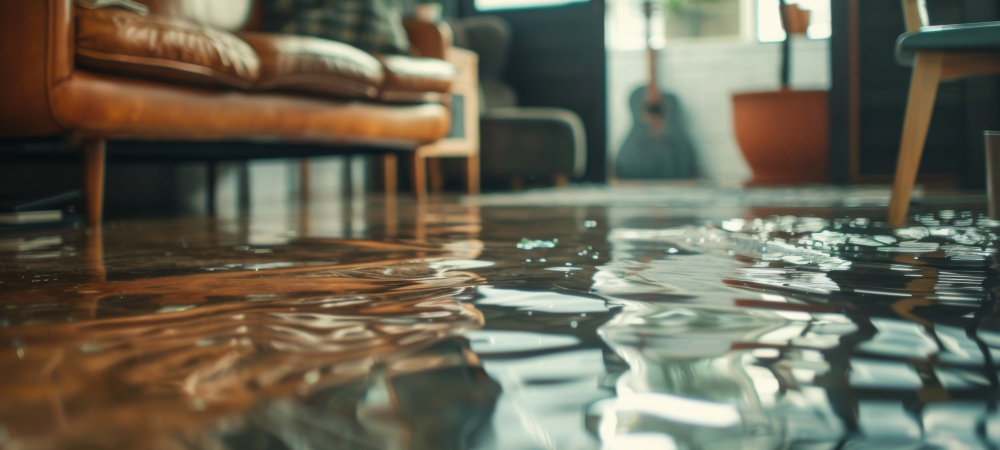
(36, 38)
(229, 15)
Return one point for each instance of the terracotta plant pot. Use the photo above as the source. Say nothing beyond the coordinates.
(784, 135)
(797, 19)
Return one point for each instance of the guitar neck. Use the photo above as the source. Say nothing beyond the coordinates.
(652, 86)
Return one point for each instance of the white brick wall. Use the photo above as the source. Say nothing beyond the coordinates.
(704, 76)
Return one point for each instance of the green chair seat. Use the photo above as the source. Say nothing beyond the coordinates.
(983, 36)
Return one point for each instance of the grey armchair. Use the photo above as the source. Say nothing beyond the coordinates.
(517, 141)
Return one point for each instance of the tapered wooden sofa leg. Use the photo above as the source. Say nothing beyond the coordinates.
(435, 174)
(390, 168)
(305, 183)
(93, 179)
(472, 174)
(419, 169)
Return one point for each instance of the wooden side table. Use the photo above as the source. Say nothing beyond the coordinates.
(463, 141)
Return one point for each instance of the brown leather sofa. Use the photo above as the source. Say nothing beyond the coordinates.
(196, 70)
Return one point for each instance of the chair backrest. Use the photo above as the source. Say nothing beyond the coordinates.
(915, 13)
(489, 37)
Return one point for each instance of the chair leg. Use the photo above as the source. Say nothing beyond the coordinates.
(923, 92)
(93, 179)
(472, 174)
(390, 167)
(419, 176)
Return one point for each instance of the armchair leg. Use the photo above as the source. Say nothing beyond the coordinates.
(923, 92)
(472, 174)
(93, 179)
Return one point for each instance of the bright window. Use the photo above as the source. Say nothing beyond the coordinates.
(626, 25)
(759, 20)
(493, 5)
(769, 19)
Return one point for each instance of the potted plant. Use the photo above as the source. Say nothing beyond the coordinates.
(784, 134)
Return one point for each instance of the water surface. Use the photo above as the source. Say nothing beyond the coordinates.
(448, 326)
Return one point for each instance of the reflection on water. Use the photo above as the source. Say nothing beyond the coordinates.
(174, 353)
(502, 328)
(848, 334)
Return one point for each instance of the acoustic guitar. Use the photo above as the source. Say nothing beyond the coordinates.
(658, 147)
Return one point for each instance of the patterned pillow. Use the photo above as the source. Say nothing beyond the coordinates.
(375, 26)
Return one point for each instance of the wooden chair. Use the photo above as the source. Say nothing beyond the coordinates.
(937, 53)
(465, 145)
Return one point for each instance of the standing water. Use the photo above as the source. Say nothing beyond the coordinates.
(502, 329)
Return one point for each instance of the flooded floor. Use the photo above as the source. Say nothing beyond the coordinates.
(443, 326)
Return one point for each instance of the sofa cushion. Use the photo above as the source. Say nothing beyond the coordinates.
(123, 42)
(409, 74)
(314, 65)
(123, 108)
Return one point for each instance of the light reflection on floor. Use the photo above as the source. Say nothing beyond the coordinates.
(390, 325)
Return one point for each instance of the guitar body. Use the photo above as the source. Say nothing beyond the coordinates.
(658, 147)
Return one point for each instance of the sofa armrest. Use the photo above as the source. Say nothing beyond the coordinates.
(36, 45)
(429, 40)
